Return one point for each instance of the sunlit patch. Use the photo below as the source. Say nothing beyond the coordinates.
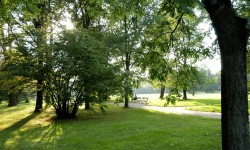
(10, 143)
(69, 25)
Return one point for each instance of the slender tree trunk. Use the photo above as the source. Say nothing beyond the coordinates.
(127, 82)
(232, 34)
(87, 99)
(39, 96)
(127, 65)
(185, 94)
(26, 97)
(75, 109)
(162, 91)
(185, 81)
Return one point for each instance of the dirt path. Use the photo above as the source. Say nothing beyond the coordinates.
(175, 110)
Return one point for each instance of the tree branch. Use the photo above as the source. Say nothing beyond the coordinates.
(172, 32)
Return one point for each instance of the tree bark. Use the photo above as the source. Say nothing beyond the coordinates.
(127, 65)
(13, 99)
(40, 26)
(162, 91)
(87, 105)
(39, 96)
(232, 34)
(193, 92)
(184, 94)
(126, 104)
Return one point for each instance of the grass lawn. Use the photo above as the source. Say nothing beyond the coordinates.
(118, 129)
(206, 102)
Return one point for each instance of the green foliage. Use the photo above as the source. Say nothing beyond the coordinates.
(126, 23)
(174, 7)
(173, 44)
(79, 72)
(209, 82)
(86, 14)
(242, 8)
(12, 81)
(172, 97)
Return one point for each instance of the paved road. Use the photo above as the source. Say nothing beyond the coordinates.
(175, 110)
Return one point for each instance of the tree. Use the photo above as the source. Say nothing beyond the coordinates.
(86, 15)
(126, 18)
(9, 82)
(11, 86)
(79, 72)
(18, 14)
(40, 42)
(172, 46)
(30, 27)
(208, 82)
(12, 82)
(189, 49)
(211, 81)
(232, 32)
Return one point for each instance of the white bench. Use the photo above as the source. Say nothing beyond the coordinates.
(143, 100)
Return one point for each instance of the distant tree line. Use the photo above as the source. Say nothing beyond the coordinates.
(208, 82)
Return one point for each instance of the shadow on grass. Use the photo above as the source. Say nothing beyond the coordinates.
(120, 129)
(8, 132)
(20, 123)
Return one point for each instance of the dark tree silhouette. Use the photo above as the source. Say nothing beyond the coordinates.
(232, 33)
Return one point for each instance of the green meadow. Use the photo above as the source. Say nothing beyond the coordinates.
(206, 102)
(118, 129)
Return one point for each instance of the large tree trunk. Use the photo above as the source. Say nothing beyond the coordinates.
(13, 99)
(87, 105)
(232, 34)
(162, 91)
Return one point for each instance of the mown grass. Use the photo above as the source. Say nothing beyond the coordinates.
(118, 129)
(206, 102)
(212, 99)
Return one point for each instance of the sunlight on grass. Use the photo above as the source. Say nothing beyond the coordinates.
(118, 129)
(205, 108)
(205, 102)
(21, 115)
(200, 99)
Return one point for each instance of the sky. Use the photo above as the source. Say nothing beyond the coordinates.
(213, 64)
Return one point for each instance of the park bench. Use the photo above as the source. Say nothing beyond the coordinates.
(141, 99)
